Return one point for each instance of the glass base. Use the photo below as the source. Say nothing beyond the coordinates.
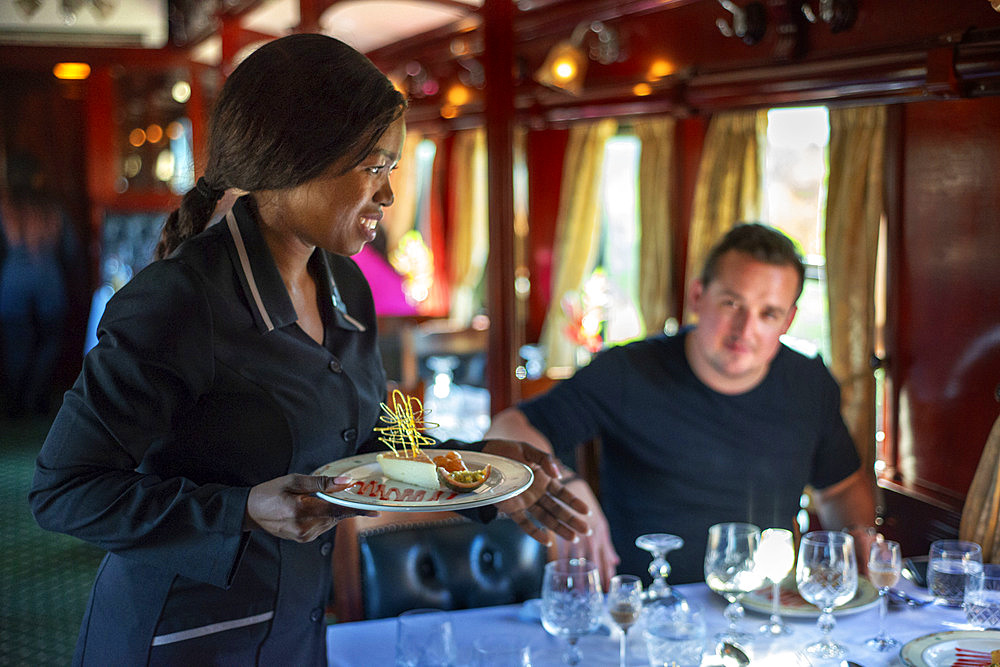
(775, 629)
(738, 637)
(882, 643)
(826, 649)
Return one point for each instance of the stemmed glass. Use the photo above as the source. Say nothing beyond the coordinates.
(730, 570)
(827, 576)
(775, 558)
(572, 602)
(624, 607)
(885, 562)
(659, 545)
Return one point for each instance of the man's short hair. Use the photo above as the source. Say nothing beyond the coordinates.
(763, 243)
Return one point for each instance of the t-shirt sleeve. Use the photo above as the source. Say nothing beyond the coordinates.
(574, 410)
(836, 455)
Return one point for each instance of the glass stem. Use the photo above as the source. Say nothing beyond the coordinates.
(622, 649)
(883, 608)
(572, 655)
(826, 623)
(776, 603)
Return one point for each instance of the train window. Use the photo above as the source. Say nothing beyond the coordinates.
(796, 170)
(613, 286)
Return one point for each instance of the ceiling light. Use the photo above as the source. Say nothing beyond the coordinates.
(71, 71)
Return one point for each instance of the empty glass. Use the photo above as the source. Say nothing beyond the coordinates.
(730, 570)
(827, 576)
(424, 639)
(674, 634)
(982, 597)
(572, 602)
(659, 545)
(500, 651)
(950, 561)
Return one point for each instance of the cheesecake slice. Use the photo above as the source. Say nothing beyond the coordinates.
(417, 471)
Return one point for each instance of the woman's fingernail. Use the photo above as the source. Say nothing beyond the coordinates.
(342, 479)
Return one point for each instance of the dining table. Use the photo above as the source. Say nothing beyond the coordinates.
(372, 642)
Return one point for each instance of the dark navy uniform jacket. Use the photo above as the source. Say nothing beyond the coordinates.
(201, 386)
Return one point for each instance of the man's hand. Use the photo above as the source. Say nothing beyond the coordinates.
(287, 507)
(546, 502)
(596, 545)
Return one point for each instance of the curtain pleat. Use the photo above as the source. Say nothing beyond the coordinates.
(577, 231)
(469, 243)
(854, 211)
(729, 183)
(656, 289)
(981, 514)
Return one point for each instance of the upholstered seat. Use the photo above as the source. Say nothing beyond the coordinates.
(443, 562)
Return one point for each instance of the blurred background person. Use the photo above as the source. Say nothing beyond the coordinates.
(38, 250)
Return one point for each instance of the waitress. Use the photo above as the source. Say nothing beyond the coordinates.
(232, 367)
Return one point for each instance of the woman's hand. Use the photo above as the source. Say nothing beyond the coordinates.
(287, 507)
(546, 501)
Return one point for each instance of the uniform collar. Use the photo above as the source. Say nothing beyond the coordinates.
(262, 284)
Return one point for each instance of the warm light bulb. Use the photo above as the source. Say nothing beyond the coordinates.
(181, 92)
(458, 95)
(137, 137)
(642, 89)
(660, 68)
(71, 71)
(564, 69)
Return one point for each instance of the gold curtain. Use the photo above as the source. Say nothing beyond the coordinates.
(401, 216)
(577, 230)
(853, 213)
(982, 504)
(469, 243)
(729, 182)
(656, 289)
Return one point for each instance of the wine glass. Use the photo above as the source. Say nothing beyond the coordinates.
(775, 558)
(827, 576)
(624, 607)
(572, 602)
(885, 563)
(730, 570)
(659, 545)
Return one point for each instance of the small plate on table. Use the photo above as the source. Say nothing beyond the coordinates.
(793, 605)
(967, 648)
(372, 490)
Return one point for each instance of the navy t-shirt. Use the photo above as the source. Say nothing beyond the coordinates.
(677, 456)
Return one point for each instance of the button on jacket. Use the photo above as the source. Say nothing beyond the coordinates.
(201, 386)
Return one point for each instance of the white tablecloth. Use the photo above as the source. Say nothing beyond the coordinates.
(373, 642)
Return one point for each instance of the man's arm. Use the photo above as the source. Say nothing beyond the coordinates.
(511, 424)
(850, 505)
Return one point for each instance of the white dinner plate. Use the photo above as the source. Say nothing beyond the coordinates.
(372, 490)
(938, 649)
(794, 606)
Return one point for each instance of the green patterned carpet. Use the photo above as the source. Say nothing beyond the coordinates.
(44, 577)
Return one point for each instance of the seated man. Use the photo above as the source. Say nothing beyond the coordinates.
(720, 422)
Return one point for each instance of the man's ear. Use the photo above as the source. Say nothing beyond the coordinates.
(695, 292)
(788, 320)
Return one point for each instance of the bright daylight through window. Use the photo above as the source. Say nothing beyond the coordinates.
(796, 170)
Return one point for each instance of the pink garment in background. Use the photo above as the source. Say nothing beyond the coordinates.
(386, 284)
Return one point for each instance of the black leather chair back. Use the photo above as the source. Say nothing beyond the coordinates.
(453, 564)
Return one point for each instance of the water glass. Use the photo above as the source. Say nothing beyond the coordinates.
(500, 651)
(675, 635)
(950, 562)
(982, 597)
(424, 639)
